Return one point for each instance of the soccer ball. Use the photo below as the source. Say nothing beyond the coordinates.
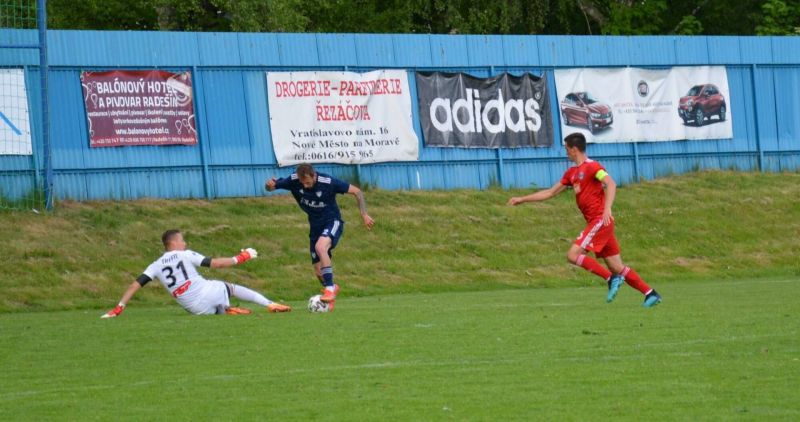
(316, 305)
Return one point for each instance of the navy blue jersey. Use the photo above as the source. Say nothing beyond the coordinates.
(318, 202)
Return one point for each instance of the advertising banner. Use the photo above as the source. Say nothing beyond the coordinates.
(644, 105)
(341, 117)
(505, 111)
(15, 128)
(139, 107)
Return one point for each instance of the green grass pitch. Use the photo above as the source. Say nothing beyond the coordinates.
(711, 351)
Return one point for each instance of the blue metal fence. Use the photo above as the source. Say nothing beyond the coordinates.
(234, 154)
(24, 48)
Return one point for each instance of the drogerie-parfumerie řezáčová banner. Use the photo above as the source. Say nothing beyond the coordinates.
(341, 117)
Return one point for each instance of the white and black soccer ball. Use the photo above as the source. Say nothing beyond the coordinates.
(316, 305)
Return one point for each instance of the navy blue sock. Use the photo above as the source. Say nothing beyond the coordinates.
(327, 276)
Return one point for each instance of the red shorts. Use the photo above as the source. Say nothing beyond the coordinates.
(599, 239)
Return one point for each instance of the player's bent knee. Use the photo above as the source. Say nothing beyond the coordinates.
(321, 250)
(322, 244)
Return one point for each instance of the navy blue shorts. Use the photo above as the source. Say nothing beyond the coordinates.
(333, 230)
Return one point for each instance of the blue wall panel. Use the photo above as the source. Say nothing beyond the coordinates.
(691, 50)
(14, 164)
(236, 182)
(15, 185)
(739, 82)
(259, 50)
(227, 133)
(235, 153)
(756, 50)
(112, 185)
(167, 183)
(298, 49)
(129, 49)
(412, 51)
(375, 50)
(765, 102)
(785, 50)
(532, 174)
(337, 50)
(652, 51)
(724, 50)
(218, 49)
(70, 185)
(520, 50)
(787, 86)
(789, 162)
(617, 50)
(255, 93)
(69, 133)
(447, 51)
(556, 50)
(591, 51)
(17, 57)
(485, 50)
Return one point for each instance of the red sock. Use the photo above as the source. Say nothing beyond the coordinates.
(590, 264)
(634, 280)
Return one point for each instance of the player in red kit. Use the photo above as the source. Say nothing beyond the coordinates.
(594, 192)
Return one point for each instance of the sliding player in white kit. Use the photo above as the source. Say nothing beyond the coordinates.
(177, 271)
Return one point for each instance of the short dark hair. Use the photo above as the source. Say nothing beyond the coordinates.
(576, 140)
(168, 236)
(304, 170)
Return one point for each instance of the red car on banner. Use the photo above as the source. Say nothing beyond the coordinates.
(701, 102)
(579, 108)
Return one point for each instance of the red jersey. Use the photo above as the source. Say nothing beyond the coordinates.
(589, 192)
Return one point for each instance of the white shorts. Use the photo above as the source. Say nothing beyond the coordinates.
(210, 297)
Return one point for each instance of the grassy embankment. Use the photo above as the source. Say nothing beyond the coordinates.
(700, 226)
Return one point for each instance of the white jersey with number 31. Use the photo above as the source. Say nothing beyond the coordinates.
(177, 271)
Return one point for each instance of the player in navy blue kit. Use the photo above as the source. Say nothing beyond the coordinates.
(316, 195)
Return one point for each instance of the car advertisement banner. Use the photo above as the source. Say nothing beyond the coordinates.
(15, 127)
(341, 117)
(505, 111)
(644, 105)
(139, 107)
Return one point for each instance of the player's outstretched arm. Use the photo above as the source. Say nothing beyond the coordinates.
(245, 255)
(541, 195)
(126, 297)
(362, 206)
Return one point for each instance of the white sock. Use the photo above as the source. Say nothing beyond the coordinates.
(243, 293)
(330, 288)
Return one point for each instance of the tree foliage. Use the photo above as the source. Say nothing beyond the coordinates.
(575, 17)
(101, 14)
(632, 18)
(779, 18)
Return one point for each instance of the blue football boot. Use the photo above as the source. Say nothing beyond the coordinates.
(652, 299)
(613, 286)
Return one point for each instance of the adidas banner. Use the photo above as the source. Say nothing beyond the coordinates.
(505, 111)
